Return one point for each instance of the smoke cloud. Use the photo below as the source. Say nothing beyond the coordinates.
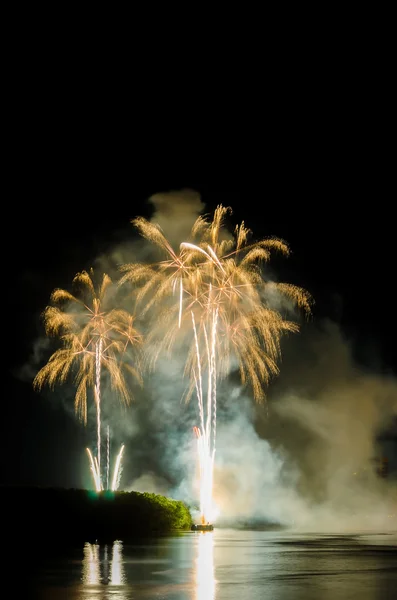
(176, 212)
(310, 460)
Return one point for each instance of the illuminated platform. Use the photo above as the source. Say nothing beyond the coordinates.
(207, 527)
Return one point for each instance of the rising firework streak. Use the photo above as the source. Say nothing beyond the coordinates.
(96, 472)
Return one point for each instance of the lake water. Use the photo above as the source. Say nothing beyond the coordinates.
(220, 565)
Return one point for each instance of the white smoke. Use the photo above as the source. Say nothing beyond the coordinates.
(311, 461)
(175, 212)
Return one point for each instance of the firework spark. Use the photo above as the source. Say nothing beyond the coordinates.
(95, 340)
(117, 470)
(95, 470)
(224, 307)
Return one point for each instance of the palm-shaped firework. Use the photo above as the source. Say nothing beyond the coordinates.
(225, 301)
(97, 341)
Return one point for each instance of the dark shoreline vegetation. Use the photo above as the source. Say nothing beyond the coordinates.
(76, 515)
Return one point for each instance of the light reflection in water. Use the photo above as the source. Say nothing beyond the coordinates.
(91, 571)
(117, 575)
(105, 565)
(112, 574)
(205, 576)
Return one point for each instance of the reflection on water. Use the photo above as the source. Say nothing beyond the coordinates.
(117, 576)
(91, 571)
(204, 575)
(111, 573)
(98, 569)
(224, 565)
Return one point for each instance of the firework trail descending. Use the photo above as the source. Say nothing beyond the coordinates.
(223, 310)
(95, 339)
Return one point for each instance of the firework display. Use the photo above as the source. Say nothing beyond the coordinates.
(96, 341)
(222, 305)
(212, 296)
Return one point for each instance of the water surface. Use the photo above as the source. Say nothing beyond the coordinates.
(222, 565)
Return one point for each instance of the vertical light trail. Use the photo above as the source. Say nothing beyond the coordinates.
(198, 379)
(98, 362)
(108, 459)
(94, 471)
(117, 470)
(206, 434)
(213, 360)
(180, 302)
